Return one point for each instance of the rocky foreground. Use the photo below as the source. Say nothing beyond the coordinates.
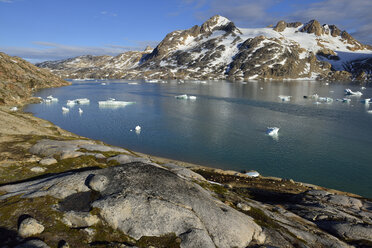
(218, 49)
(61, 190)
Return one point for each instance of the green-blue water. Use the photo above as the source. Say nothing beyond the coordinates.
(327, 144)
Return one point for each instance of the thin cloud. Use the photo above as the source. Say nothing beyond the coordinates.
(6, 1)
(107, 13)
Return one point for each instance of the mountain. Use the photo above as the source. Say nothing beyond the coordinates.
(19, 78)
(219, 50)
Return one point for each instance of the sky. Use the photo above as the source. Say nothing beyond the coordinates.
(39, 30)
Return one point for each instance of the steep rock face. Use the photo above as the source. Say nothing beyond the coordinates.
(217, 49)
(19, 78)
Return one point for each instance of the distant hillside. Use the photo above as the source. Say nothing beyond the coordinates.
(219, 50)
(19, 78)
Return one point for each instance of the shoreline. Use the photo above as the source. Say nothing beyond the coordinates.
(59, 133)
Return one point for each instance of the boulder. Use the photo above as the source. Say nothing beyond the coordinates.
(30, 227)
(48, 161)
(98, 182)
(37, 169)
(34, 243)
(79, 219)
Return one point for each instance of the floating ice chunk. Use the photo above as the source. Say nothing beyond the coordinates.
(103, 83)
(363, 88)
(65, 110)
(184, 96)
(80, 111)
(272, 131)
(317, 103)
(70, 102)
(152, 81)
(261, 88)
(82, 101)
(13, 109)
(325, 99)
(285, 98)
(315, 96)
(192, 97)
(366, 101)
(51, 98)
(369, 111)
(137, 129)
(133, 83)
(112, 103)
(352, 93)
(253, 174)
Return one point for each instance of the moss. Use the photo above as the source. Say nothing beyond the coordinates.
(261, 218)
(166, 241)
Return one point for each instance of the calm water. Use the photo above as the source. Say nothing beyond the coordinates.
(326, 144)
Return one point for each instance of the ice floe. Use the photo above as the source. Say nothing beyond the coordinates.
(81, 101)
(352, 93)
(272, 131)
(80, 111)
(65, 110)
(253, 174)
(185, 97)
(285, 98)
(50, 99)
(112, 103)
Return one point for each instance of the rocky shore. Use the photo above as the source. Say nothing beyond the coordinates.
(58, 189)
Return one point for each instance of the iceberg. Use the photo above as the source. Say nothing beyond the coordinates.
(272, 131)
(325, 99)
(184, 96)
(252, 173)
(50, 99)
(65, 110)
(363, 88)
(80, 111)
(366, 101)
(152, 81)
(133, 83)
(112, 103)
(192, 97)
(369, 111)
(81, 101)
(352, 93)
(285, 98)
(103, 83)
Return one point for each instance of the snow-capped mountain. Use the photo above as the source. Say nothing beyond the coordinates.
(219, 50)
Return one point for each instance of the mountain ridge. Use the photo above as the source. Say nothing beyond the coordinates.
(218, 49)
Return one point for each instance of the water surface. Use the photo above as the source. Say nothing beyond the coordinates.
(325, 144)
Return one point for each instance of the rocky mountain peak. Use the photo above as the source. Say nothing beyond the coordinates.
(282, 25)
(313, 27)
(218, 22)
(148, 49)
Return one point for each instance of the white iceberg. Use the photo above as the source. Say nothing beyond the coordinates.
(325, 99)
(369, 111)
(272, 131)
(112, 103)
(152, 81)
(352, 93)
(253, 174)
(80, 111)
(103, 83)
(184, 96)
(366, 101)
(65, 110)
(285, 98)
(13, 109)
(133, 83)
(363, 88)
(192, 97)
(50, 99)
(81, 101)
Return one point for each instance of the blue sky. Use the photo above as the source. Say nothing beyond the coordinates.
(40, 30)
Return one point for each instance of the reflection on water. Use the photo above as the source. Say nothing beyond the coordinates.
(327, 144)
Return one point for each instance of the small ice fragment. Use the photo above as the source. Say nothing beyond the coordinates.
(352, 93)
(65, 110)
(103, 83)
(261, 88)
(363, 88)
(184, 96)
(80, 111)
(252, 173)
(13, 109)
(369, 111)
(192, 97)
(285, 98)
(317, 103)
(272, 131)
(366, 101)
(138, 128)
